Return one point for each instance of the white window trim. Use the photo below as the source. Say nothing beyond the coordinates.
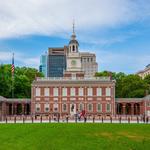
(89, 91)
(54, 92)
(37, 91)
(63, 107)
(45, 106)
(100, 106)
(37, 105)
(72, 91)
(108, 91)
(46, 92)
(110, 107)
(98, 91)
(91, 107)
(81, 91)
(64, 91)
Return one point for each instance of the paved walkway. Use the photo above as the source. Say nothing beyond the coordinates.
(71, 121)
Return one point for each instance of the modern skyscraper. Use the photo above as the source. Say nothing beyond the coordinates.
(56, 62)
(43, 64)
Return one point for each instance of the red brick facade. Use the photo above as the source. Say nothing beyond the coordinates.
(89, 101)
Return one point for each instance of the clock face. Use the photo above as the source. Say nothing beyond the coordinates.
(73, 62)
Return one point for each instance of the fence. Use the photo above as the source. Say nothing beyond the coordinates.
(74, 119)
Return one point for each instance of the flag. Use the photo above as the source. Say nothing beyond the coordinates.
(12, 66)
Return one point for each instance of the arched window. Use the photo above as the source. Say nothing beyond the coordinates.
(81, 107)
(70, 48)
(64, 107)
(73, 48)
(90, 107)
(108, 107)
(99, 107)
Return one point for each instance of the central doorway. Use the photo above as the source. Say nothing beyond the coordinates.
(72, 109)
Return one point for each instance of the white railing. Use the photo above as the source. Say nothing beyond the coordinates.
(74, 79)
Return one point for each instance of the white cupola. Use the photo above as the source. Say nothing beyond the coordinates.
(73, 44)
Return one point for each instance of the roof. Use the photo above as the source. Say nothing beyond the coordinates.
(69, 81)
(87, 54)
(148, 66)
(2, 98)
(147, 97)
(73, 42)
(133, 99)
(14, 99)
(128, 99)
(18, 100)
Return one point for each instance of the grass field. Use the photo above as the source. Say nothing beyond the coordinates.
(74, 136)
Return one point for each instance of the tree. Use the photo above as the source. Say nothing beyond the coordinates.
(133, 86)
(23, 78)
(128, 86)
(147, 80)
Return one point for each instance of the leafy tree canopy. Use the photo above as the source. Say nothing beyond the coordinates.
(128, 86)
(23, 77)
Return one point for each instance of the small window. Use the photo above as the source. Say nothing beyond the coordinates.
(81, 107)
(46, 91)
(37, 107)
(37, 92)
(90, 92)
(46, 107)
(99, 107)
(90, 107)
(108, 107)
(64, 107)
(108, 92)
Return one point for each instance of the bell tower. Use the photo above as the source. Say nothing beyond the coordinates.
(74, 68)
(73, 44)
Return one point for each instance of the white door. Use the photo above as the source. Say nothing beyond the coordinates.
(72, 109)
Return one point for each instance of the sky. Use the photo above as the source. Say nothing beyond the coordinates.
(117, 31)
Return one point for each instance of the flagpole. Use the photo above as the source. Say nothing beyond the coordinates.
(12, 71)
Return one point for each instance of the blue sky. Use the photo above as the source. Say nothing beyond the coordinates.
(117, 31)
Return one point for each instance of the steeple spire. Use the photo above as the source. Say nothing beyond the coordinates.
(73, 26)
(73, 44)
(73, 36)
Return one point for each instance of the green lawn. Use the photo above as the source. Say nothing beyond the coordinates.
(74, 136)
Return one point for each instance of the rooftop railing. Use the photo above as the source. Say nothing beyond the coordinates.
(73, 79)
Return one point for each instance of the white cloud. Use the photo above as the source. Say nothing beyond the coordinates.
(53, 17)
(20, 59)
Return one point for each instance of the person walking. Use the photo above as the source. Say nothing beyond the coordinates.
(85, 118)
(67, 118)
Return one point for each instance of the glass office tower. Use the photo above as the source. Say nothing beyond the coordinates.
(56, 63)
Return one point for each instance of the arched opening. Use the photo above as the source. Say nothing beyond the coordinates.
(28, 109)
(73, 48)
(128, 109)
(10, 109)
(64, 107)
(19, 109)
(136, 109)
(119, 108)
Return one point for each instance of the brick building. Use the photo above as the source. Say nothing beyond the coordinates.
(75, 92)
(69, 96)
(12, 107)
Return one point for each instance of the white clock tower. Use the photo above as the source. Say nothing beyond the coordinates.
(73, 56)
